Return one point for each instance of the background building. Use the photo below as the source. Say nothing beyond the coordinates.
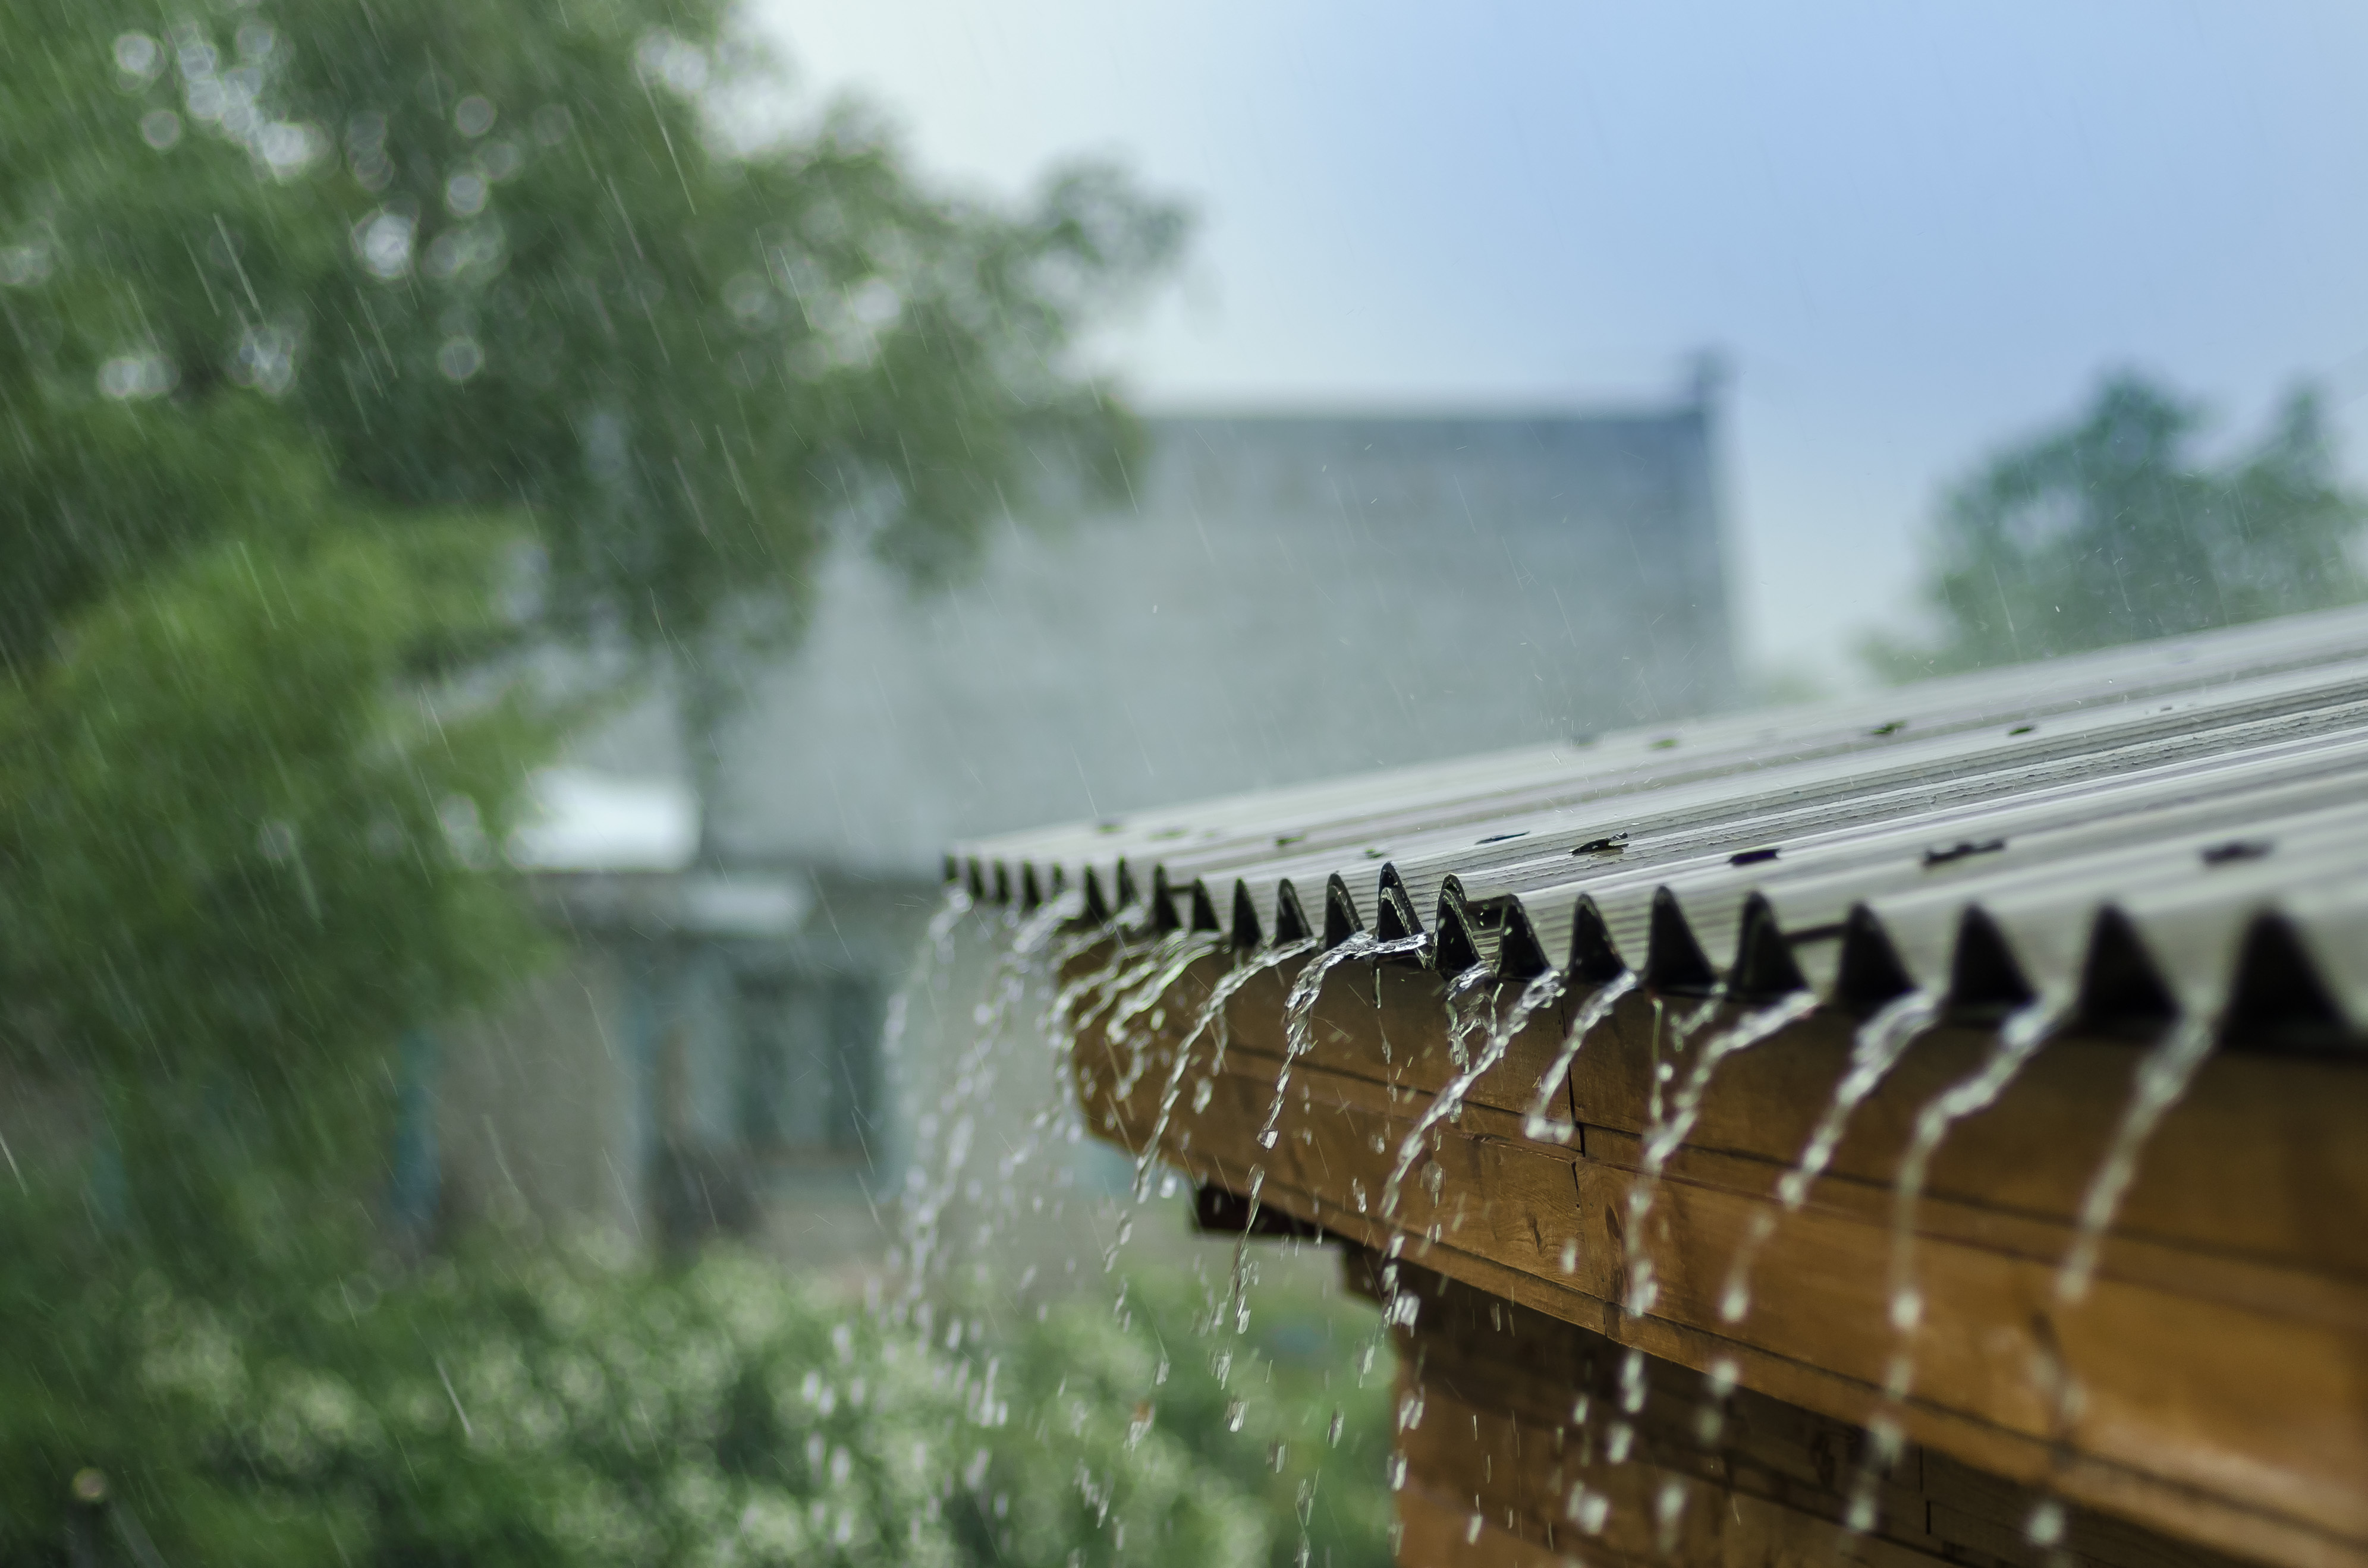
(1288, 597)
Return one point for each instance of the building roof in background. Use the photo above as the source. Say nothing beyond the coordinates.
(2175, 828)
(1285, 598)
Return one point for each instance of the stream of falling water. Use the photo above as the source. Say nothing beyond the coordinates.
(1177, 953)
(954, 1125)
(2162, 1080)
(1543, 991)
(1876, 1049)
(1469, 1002)
(1670, 1123)
(2018, 1040)
(1299, 1014)
(1299, 1008)
(927, 971)
(1675, 1119)
(1110, 985)
(1592, 1013)
(1211, 1021)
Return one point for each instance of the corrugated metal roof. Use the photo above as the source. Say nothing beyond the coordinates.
(2179, 827)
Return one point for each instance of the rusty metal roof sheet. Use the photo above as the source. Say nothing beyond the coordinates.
(2178, 827)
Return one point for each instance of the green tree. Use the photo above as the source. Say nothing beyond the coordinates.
(2114, 528)
(509, 257)
(350, 356)
(352, 350)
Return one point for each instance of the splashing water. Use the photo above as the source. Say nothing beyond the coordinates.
(1542, 992)
(955, 1124)
(2019, 1039)
(1591, 1016)
(1299, 1008)
(2162, 1080)
(1212, 1015)
(1670, 1128)
(1876, 1049)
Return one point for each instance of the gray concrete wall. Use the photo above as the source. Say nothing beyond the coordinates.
(1292, 598)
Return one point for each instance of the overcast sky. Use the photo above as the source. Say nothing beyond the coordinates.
(1914, 230)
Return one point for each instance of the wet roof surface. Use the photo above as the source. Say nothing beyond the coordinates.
(2174, 828)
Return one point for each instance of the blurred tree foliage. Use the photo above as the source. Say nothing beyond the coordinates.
(523, 257)
(350, 349)
(350, 353)
(2114, 528)
(566, 1407)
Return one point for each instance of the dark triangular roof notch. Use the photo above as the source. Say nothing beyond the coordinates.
(1870, 971)
(1290, 922)
(1060, 878)
(1394, 916)
(1164, 917)
(2121, 990)
(1764, 967)
(1985, 984)
(977, 881)
(1674, 961)
(1032, 896)
(1098, 907)
(1594, 960)
(1204, 908)
(2279, 1002)
(1460, 946)
(1245, 920)
(1519, 954)
(1002, 882)
(953, 870)
(1341, 920)
(1129, 895)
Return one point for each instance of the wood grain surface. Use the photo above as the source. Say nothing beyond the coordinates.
(2212, 1387)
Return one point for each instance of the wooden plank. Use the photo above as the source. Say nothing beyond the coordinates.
(1505, 1470)
(2222, 1353)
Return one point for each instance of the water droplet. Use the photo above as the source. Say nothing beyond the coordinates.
(139, 56)
(464, 193)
